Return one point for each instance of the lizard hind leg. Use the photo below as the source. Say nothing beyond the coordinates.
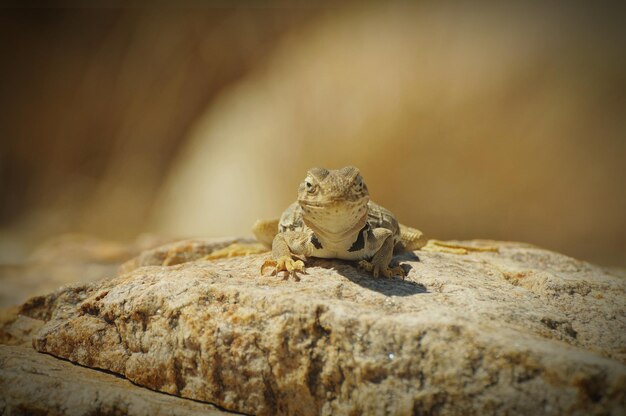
(265, 231)
(411, 238)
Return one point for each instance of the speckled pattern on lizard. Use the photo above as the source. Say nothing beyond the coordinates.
(334, 217)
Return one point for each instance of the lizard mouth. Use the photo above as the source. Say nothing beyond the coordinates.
(333, 209)
(339, 202)
(334, 217)
(314, 204)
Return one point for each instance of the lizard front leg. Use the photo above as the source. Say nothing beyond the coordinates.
(287, 250)
(382, 258)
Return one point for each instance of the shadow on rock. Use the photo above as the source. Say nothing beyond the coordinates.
(387, 286)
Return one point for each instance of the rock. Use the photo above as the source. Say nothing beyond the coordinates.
(521, 331)
(37, 384)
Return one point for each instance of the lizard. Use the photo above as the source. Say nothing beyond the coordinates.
(334, 217)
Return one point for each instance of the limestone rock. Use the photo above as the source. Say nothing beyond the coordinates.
(521, 331)
(37, 384)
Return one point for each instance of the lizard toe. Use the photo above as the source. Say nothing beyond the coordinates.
(281, 264)
(293, 267)
(395, 271)
(370, 267)
(366, 265)
(376, 271)
(269, 263)
(298, 266)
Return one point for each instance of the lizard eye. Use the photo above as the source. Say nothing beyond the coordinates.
(310, 186)
(358, 184)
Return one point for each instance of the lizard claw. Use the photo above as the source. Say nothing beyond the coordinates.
(395, 271)
(367, 266)
(284, 264)
(377, 269)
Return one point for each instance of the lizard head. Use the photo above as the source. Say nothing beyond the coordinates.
(333, 200)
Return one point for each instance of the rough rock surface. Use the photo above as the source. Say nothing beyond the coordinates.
(37, 384)
(521, 331)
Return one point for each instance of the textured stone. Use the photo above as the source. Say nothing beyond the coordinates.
(37, 384)
(521, 331)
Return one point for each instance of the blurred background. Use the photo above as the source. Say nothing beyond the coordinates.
(504, 121)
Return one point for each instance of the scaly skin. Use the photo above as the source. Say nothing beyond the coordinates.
(334, 218)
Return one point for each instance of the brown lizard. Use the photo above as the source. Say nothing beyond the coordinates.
(334, 218)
